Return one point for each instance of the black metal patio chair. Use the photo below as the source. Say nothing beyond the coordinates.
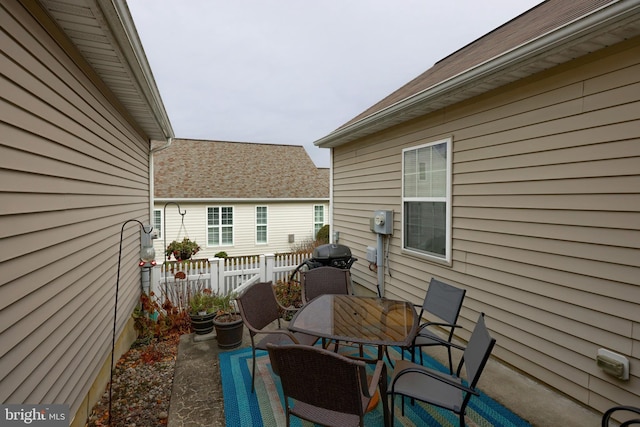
(618, 410)
(443, 301)
(447, 391)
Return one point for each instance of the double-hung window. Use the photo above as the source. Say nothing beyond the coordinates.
(220, 226)
(157, 222)
(261, 224)
(426, 199)
(318, 218)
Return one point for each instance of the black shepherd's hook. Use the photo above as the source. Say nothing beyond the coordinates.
(164, 236)
(115, 310)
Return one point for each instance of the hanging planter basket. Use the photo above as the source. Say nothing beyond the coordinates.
(182, 250)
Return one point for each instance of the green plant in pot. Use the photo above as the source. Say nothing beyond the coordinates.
(202, 310)
(228, 322)
(182, 250)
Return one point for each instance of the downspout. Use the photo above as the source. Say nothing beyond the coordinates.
(151, 186)
(332, 231)
(146, 272)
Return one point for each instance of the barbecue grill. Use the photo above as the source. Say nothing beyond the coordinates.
(331, 254)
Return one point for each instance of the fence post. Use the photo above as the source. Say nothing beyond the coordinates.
(215, 274)
(263, 268)
(267, 264)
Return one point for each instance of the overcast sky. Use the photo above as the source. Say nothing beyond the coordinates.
(292, 71)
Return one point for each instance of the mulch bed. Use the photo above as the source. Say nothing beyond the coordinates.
(142, 383)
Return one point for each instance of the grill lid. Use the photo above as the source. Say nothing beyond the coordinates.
(331, 251)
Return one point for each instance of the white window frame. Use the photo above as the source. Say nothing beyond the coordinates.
(156, 226)
(265, 225)
(447, 198)
(220, 226)
(317, 228)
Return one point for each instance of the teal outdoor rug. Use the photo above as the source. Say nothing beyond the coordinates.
(264, 407)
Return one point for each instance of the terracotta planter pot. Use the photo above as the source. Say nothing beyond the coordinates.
(229, 333)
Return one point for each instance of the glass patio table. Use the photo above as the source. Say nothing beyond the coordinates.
(361, 320)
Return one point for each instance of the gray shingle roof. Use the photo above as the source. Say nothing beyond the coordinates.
(202, 169)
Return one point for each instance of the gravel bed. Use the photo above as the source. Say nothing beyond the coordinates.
(142, 383)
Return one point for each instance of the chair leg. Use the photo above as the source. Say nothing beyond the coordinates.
(462, 419)
(393, 407)
(253, 370)
(450, 361)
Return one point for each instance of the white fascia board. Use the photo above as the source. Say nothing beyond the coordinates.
(125, 32)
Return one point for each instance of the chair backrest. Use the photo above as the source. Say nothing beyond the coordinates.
(325, 280)
(443, 300)
(477, 352)
(320, 377)
(258, 305)
(620, 412)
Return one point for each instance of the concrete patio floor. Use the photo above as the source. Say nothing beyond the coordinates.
(197, 400)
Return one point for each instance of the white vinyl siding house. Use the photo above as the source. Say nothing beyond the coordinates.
(281, 224)
(75, 165)
(545, 190)
(284, 198)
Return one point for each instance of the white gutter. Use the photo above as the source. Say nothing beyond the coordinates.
(555, 39)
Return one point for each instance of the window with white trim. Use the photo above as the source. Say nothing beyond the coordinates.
(318, 218)
(261, 224)
(220, 226)
(426, 199)
(157, 222)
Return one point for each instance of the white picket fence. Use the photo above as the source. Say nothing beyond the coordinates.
(224, 275)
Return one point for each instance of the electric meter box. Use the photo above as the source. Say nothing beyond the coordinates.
(383, 222)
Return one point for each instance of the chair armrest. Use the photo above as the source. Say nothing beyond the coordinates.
(435, 375)
(443, 324)
(273, 331)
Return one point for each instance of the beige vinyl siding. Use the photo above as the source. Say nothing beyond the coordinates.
(72, 171)
(284, 218)
(546, 218)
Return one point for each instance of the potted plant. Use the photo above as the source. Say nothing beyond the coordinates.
(228, 322)
(182, 250)
(202, 310)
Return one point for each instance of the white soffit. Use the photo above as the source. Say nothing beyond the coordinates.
(104, 33)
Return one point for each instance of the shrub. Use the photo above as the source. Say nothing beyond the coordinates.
(221, 254)
(305, 246)
(322, 235)
(288, 294)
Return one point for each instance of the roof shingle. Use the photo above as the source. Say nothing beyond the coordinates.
(202, 169)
